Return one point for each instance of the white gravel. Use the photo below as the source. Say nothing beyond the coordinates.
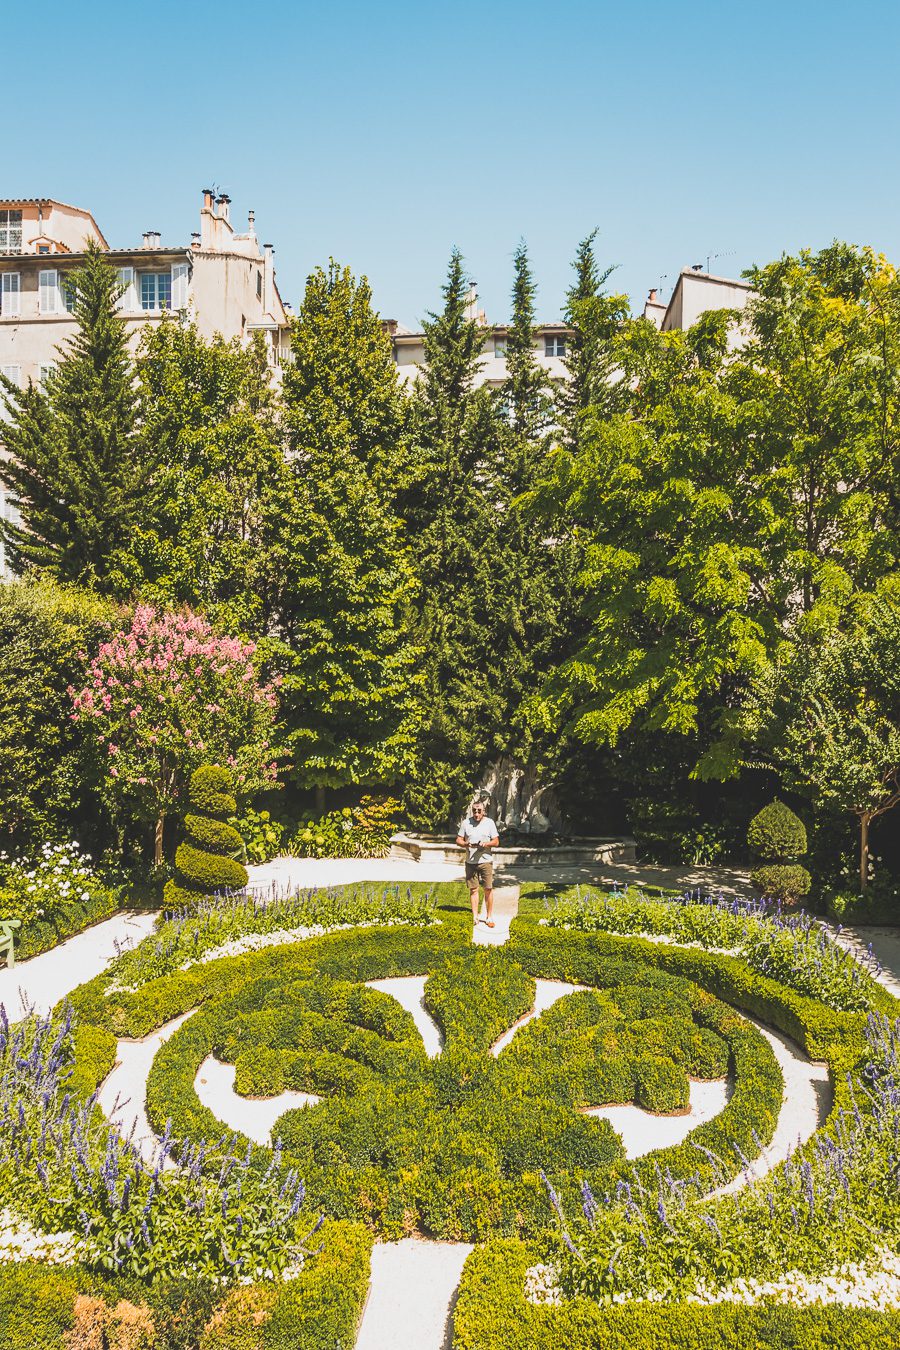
(40, 982)
(409, 991)
(643, 1131)
(411, 1294)
(253, 1116)
(123, 1092)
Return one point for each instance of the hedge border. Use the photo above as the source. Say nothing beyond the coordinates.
(492, 1313)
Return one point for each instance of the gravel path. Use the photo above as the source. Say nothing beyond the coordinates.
(43, 980)
(411, 1295)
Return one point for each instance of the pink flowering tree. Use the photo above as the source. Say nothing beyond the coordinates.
(165, 696)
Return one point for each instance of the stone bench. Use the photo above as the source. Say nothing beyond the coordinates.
(7, 939)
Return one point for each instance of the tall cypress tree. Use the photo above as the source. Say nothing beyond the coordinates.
(340, 576)
(527, 388)
(450, 510)
(75, 471)
(595, 318)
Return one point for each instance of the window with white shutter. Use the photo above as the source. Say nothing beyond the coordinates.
(128, 302)
(14, 375)
(49, 287)
(179, 285)
(43, 372)
(9, 295)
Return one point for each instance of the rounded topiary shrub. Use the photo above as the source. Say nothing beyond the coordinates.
(777, 833)
(787, 882)
(205, 862)
(777, 836)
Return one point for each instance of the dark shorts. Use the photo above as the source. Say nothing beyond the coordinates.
(480, 874)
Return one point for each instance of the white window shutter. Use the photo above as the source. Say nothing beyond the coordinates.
(49, 284)
(128, 299)
(9, 296)
(179, 285)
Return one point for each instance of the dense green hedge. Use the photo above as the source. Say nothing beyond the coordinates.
(564, 955)
(69, 917)
(48, 1308)
(458, 1141)
(492, 1314)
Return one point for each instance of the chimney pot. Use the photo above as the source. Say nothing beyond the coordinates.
(651, 296)
(208, 196)
(151, 238)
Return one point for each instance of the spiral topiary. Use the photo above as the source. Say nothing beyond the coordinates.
(205, 861)
(777, 836)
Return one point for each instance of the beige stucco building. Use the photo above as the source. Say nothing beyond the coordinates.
(694, 293)
(222, 280)
(550, 348)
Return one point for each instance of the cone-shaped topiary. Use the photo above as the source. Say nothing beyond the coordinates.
(205, 861)
(776, 835)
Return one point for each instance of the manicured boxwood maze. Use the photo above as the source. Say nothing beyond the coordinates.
(455, 1146)
(470, 1145)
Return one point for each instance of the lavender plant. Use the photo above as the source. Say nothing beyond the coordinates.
(794, 948)
(227, 924)
(63, 1165)
(833, 1202)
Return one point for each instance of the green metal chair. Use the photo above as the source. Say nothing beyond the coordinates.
(7, 939)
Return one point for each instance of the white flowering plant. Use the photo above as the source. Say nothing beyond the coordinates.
(50, 886)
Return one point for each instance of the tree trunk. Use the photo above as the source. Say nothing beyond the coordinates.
(158, 841)
(864, 822)
(320, 801)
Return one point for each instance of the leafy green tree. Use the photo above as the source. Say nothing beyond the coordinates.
(341, 583)
(840, 704)
(208, 420)
(734, 506)
(76, 470)
(820, 399)
(45, 632)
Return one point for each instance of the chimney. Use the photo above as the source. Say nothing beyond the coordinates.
(151, 238)
(224, 204)
(268, 277)
(651, 296)
(208, 196)
(195, 239)
(251, 222)
(471, 310)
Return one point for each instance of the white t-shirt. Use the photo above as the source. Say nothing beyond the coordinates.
(476, 835)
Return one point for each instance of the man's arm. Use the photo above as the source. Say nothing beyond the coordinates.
(461, 840)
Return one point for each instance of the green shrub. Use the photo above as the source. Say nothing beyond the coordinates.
(775, 833)
(363, 831)
(36, 1306)
(205, 862)
(261, 834)
(787, 882)
(492, 1313)
(319, 1310)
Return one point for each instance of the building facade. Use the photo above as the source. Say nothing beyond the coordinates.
(221, 280)
(695, 292)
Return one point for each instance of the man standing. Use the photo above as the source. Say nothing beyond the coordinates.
(478, 834)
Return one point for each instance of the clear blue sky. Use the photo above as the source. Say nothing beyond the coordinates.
(384, 134)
